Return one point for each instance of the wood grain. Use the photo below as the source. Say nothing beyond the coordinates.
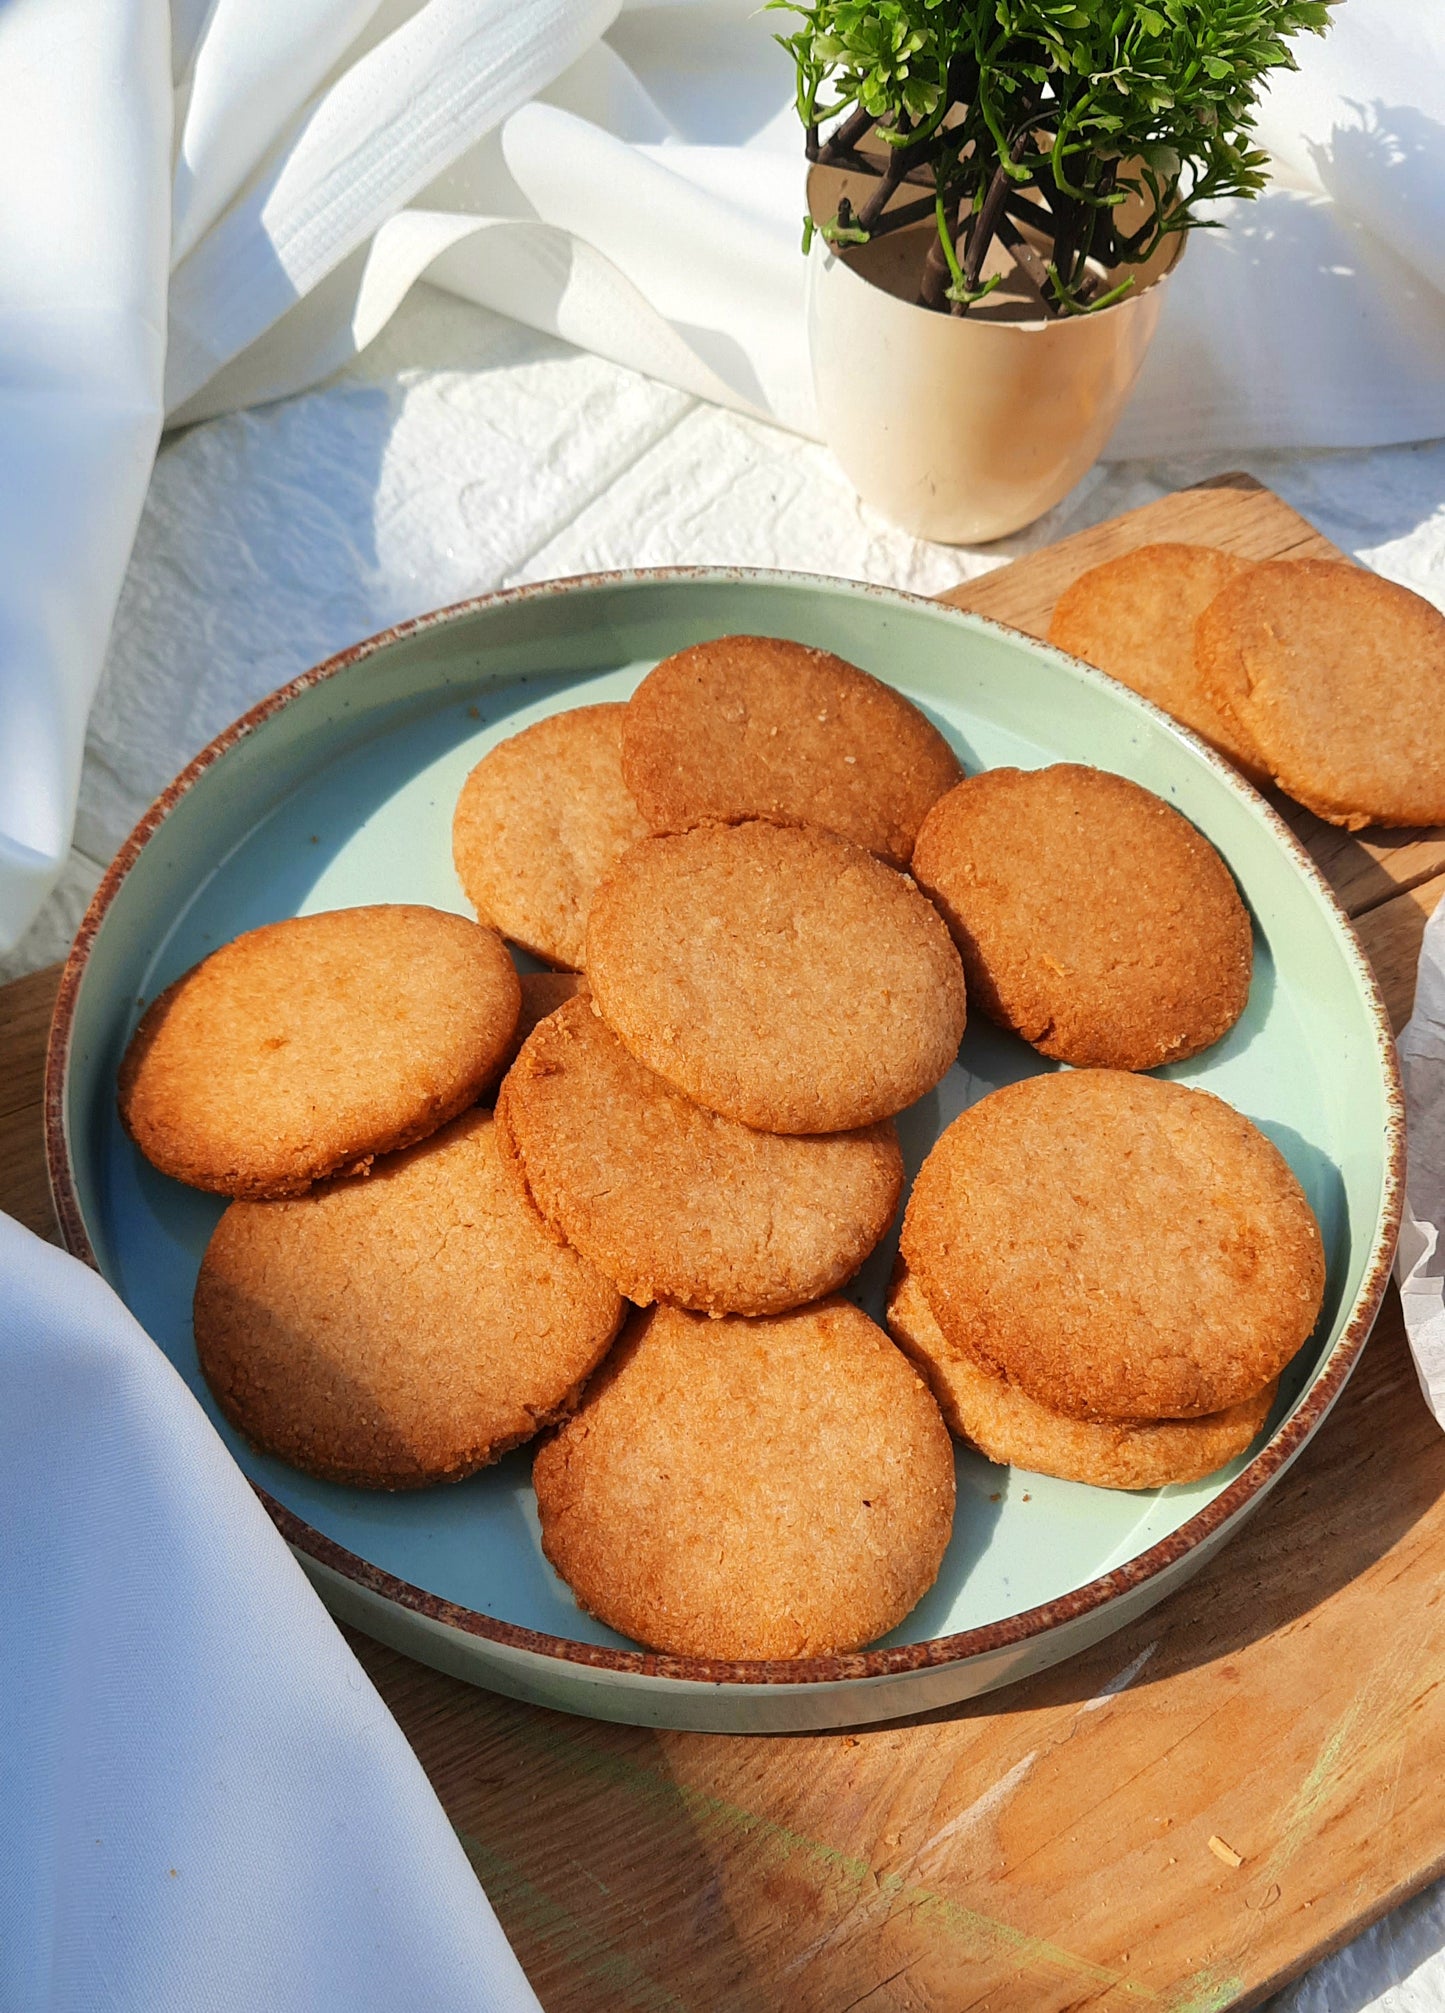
(24, 1024)
(1047, 1847)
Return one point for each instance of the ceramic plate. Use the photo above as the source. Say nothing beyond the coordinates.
(339, 790)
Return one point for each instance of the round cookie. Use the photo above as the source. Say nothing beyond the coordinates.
(1117, 1246)
(735, 1488)
(1134, 617)
(307, 1047)
(1009, 1427)
(675, 1203)
(756, 727)
(1092, 918)
(776, 974)
(542, 994)
(539, 821)
(1338, 677)
(404, 1330)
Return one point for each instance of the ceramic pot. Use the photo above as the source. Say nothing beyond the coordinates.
(962, 428)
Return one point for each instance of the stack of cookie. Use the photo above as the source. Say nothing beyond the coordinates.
(388, 1332)
(757, 1471)
(1319, 677)
(1103, 1274)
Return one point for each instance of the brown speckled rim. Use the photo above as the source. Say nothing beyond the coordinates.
(1210, 1523)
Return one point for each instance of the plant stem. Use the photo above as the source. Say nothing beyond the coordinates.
(888, 181)
(980, 236)
(941, 265)
(846, 138)
(902, 217)
(1027, 260)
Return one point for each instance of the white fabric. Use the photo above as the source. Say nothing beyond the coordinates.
(83, 139)
(1420, 1259)
(206, 1804)
(628, 180)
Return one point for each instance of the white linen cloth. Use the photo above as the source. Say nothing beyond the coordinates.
(1420, 1258)
(206, 1804)
(628, 177)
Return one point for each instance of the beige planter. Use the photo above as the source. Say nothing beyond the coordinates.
(962, 428)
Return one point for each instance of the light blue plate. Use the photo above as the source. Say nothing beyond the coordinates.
(341, 792)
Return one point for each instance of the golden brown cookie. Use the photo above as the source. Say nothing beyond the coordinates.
(1009, 1427)
(542, 994)
(1134, 617)
(402, 1330)
(755, 727)
(776, 974)
(307, 1047)
(1338, 677)
(672, 1202)
(1117, 1246)
(735, 1488)
(1093, 920)
(539, 821)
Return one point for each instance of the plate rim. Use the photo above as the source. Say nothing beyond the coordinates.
(1207, 1525)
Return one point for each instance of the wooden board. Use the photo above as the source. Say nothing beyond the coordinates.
(1048, 1847)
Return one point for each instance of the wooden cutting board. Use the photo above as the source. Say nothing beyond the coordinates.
(1183, 1819)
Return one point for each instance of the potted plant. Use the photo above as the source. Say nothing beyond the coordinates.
(997, 188)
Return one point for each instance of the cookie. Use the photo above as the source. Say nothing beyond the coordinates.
(1134, 617)
(305, 1048)
(756, 727)
(540, 820)
(1338, 677)
(542, 994)
(672, 1202)
(1117, 1246)
(404, 1330)
(1092, 919)
(776, 974)
(735, 1488)
(1009, 1427)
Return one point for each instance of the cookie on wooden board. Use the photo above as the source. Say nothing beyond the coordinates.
(306, 1047)
(740, 1489)
(539, 821)
(1009, 1427)
(403, 1330)
(1338, 677)
(776, 974)
(757, 727)
(1134, 617)
(1092, 918)
(673, 1202)
(1118, 1246)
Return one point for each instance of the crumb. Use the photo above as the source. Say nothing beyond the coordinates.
(1224, 1852)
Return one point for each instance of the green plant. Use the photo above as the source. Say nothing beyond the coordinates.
(1075, 134)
